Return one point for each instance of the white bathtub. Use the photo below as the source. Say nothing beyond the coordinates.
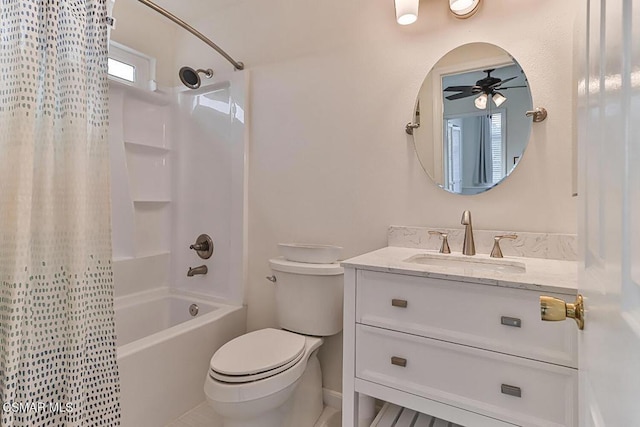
(164, 352)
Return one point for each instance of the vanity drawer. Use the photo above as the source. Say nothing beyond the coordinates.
(521, 391)
(484, 316)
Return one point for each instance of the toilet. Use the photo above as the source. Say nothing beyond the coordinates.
(272, 377)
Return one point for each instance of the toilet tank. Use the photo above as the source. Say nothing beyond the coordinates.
(308, 296)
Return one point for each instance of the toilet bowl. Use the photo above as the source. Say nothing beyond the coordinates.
(250, 386)
(272, 377)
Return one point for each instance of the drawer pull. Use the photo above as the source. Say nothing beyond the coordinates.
(402, 303)
(511, 321)
(399, 361)
(511, 390)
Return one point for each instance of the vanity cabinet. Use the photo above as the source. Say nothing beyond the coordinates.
(473, 353)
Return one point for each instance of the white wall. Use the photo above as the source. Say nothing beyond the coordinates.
(146, 31)
(334, 82)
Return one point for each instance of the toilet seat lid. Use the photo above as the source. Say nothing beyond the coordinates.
(257, 352)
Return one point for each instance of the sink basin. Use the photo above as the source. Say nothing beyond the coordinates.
(469, 263)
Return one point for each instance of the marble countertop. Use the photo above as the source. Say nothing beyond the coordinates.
(545, 275)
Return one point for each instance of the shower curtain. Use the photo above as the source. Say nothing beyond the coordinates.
(57, 334)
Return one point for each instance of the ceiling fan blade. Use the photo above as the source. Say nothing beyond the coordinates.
(459, 95)
(510, 87)
(458, 88)
(503, 81)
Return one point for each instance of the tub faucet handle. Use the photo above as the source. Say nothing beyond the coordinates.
(444, 248)
(203, 246)
(200, 247)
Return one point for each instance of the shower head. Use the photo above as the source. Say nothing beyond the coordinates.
(191, 78)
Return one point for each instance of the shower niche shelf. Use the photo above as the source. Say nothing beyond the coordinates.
(145, 124)
(152, 226)
(149, 174)
(140, 137)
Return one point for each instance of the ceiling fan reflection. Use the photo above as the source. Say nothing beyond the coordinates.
(486, 87)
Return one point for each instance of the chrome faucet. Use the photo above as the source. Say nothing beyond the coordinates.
(468, 247)
(197, 270)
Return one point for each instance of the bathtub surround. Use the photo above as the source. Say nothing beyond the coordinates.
(135, 275)
(141, 151)
(164, 146)
(57, 338)
(210, 186)
(179, 171)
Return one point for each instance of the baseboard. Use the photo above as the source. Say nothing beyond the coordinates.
(332, 398)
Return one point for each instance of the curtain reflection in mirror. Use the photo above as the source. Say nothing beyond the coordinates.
(483, 171)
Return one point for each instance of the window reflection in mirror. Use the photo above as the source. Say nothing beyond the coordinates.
(471, 109)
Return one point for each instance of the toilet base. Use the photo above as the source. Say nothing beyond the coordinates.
(299, 405)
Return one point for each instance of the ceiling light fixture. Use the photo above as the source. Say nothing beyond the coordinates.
(406, 11)
(464, 8)
(481, 101)
(498, 99)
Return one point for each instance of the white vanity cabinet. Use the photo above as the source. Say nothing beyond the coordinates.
(473, 352)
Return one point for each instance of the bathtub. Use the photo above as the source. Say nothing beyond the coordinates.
(164, 351)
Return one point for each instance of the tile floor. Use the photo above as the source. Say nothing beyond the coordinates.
(200, 416)
(203, 416)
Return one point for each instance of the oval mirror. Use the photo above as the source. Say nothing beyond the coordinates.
(471, 112)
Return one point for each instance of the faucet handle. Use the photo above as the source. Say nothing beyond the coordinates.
(496, 252)
(203, 246)
(444, 248)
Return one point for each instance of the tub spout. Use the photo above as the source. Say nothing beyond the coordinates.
(197, 270)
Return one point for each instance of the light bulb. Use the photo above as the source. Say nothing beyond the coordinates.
(463, 8)
(460, 5)
(481, 101)
(406, 11)
(498, 99)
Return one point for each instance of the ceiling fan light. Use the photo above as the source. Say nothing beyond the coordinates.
(498, 99)
(481, 102)
(406, 11)
(463, 8)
